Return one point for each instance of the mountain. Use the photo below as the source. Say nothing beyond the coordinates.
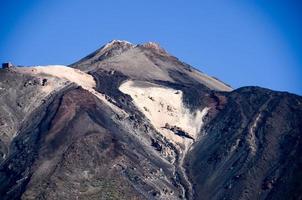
(133, 122)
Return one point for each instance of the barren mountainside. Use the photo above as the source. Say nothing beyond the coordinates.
(133, 122)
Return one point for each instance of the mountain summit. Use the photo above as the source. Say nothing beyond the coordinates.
(134, 122)
(113, 48)
(145, 62)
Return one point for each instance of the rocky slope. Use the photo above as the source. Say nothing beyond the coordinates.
(133, 122)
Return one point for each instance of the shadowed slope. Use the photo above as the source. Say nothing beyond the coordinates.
(251, 149)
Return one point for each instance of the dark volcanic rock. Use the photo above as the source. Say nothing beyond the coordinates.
(252, 148)
(73, 133)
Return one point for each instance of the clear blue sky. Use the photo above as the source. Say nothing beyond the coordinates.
(240, 42)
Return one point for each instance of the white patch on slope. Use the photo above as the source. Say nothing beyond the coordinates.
(162, 105)
(67, 75)
(252, 136)
(109, 44)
